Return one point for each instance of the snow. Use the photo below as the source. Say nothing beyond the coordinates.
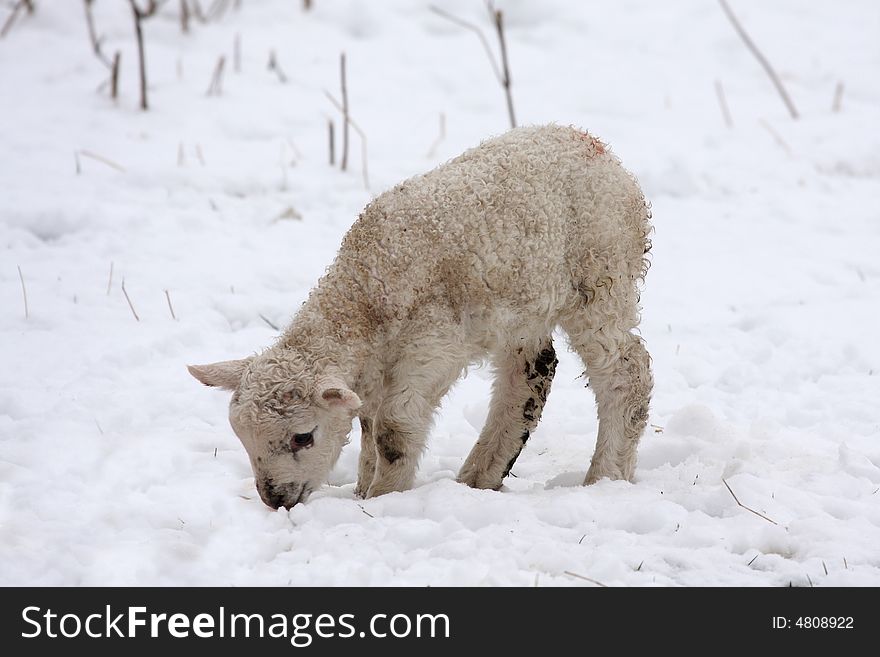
(760, 309)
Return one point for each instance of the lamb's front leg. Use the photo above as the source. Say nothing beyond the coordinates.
(398, 448)
(367, 459)
(418, 381)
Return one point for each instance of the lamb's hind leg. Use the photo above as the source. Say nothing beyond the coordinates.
(522, 382)
(619, 370)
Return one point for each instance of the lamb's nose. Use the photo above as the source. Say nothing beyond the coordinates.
(271, 496)
(286, 495)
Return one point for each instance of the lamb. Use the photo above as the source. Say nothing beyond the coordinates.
(479, 259)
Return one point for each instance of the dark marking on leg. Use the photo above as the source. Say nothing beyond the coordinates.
(365, 426)
(545, 363)
(539, 375)
(524, 438)
(512, 461)
(388, 443)
(641, 414)
(529, 410)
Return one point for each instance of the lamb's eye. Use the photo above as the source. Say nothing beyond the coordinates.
(301, 440)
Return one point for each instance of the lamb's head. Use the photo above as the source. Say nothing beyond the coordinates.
(292, 421)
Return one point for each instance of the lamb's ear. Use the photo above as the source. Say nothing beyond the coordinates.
(225, 374)
(332, 393)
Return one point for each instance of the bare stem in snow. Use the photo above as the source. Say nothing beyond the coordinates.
(101, 159)
(216, 86)
(741, 505)
(776, 136)
(93, 35)
(114, 76)
(110, 279)
(217, 9)
(344, 164)
(505, 68)
(23, 293)
(274, 66)
(184, 16)
(360, 134)
(236, 53)
(197, 12)
(476, 30)
(586, 579)
(170, 307)
(722, 101)
(269, 322)
(502, 72)
(133, 312)
(838, 97)
(139, 16)
(331, 134)
(21, 4)
(440, 136)
(760, 57)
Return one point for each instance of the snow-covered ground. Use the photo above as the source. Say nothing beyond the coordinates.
(760, 309)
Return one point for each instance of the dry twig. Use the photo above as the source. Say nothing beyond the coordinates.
(170, 307)
(345, 119)
(98, 158)
(21, 4)
(502, 72)
(275, 66)
(740, 504)
(440, 136)
(216, 86)
(776, 136)
(114, 76)
(331, 134)
(93, 35)
(587, 579)
(127, 298)
(505, 68)
(722, 101)
(139, 15)
(476, 30)
(23, 292)
(184, 16)
(760, 57)
(360, 134)
(838, 97)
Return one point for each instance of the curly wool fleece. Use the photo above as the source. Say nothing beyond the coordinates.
(483, 257)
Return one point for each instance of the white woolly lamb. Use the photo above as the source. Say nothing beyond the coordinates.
(482, 257)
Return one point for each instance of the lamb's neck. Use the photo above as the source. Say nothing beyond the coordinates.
(331, 334)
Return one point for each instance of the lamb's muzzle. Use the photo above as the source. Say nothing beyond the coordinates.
(483, 257)
(286, 495)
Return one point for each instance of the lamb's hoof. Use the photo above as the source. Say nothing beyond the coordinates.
(375, 491)
(594, 476)
(479, 481)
